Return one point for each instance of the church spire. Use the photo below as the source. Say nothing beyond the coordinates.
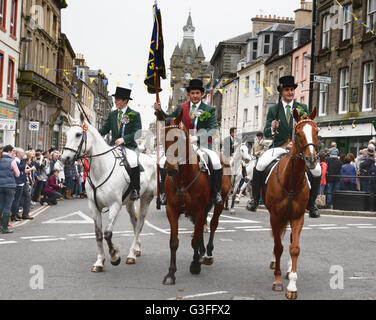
(189, 29)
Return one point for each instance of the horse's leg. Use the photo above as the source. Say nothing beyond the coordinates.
(173, 218)
(131, 259)
(195, 267)
(208, 259)
(236, 186)
(289, 268)
(278, 249)
(296, 227)
(99, 264)
(135, 250)
(113, 250)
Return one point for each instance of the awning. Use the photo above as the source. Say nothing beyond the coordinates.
(360, 130)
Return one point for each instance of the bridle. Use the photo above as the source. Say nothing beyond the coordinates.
(301, 149)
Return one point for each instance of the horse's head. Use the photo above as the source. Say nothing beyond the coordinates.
(306, 138)
(176, 142)
(77, 143)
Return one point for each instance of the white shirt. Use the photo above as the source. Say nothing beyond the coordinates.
(124, 111)
(192, 104)
(285, 104)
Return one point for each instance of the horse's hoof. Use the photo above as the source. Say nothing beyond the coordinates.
(272, 265)
(277, 287)
(287, 275)
(117, 262)
(130, 261)
(291, 295)
(195, 268)
(168, 281)
(207, 261)
(137, 253)
(96, 269)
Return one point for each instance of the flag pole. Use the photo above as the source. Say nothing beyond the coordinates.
(157, 79)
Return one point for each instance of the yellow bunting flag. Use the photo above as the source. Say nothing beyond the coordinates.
(92, 79)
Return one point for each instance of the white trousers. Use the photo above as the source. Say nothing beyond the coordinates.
(131, 157)
(216, 161)
(273, 154)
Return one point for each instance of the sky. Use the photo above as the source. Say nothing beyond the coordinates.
(114, 35)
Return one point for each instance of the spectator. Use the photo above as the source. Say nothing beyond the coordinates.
(347, 183)
(39, 176)
(324, 169)
(54, 157)
(51, 191)
(80, 175)
(365, 168)
(70, 173)
(352, 159)
(342, 158)
(8, 172)
(334, 170)
(22, 188)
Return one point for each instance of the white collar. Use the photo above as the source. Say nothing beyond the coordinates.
(124, 110)
(197, 105)
(285, 104)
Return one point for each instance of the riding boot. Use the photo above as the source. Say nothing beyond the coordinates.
(4, 223)
(135, 184)
(256, 189)
(315, 188)
(217, 186)
(162, 185)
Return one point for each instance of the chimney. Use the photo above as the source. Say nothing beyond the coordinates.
(303, 15)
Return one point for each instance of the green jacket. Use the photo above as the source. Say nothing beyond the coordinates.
(284, 131)
(209, 124)
(130, 129)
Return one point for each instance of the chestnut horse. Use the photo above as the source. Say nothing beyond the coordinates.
(287, 194)
(188, 191)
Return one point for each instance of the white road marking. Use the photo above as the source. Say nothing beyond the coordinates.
(263, 229)
(249, 227)
(373, 227)
(80, 234)
(322, 225)
(156, 228)
(45, 240)
(37, 237)
(348, 217)
(359, 224)
(7, 242)
(200, 295)
(84, 219)
(38, 212)
(334, 228)
(226, 240)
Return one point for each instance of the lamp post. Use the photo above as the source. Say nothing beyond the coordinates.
(313, 47)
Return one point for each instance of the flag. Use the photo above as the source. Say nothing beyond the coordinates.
(156, 59)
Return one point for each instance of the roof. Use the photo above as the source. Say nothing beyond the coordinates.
(177, 51)
(278, 27)
(200, 52)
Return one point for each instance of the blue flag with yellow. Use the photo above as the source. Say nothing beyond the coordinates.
(156, 60)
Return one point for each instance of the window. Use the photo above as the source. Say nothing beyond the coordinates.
(3, 14)
(347, 20)
(188, 60)
(280, 72)
(13, 19)
(256, 117)
(258, 81)
(267, 43)
(344, 91)
(323, 99)
(281, 47)
(246, 86)
(304, 67)
(1, 72)
(10, 86)
(296, 39)
(326, 32)
(297, 69)
(368, 76)
(254, 50)
(371, 14)
(271, 81)
(245, 117)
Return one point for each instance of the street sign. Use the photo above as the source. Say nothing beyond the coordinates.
(33, 125)
(323, 79)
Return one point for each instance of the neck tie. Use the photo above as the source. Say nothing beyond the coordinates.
(288, 114)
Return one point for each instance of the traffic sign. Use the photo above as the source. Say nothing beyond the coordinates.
(323, 79)
(33, 125)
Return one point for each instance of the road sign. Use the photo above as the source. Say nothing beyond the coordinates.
(33, 125)
(323, 79)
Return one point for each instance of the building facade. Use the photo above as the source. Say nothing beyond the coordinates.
(40, 88)
(10, 26)
(345, 51)
(230, 95)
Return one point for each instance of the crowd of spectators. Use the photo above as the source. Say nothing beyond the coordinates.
(32, 176)
(347, 173)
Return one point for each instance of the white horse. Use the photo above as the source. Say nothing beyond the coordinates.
(241, 155)
(106, 184)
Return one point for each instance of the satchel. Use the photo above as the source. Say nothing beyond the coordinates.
(321, 200)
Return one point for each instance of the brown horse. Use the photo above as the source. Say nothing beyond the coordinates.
(188, 191)
(287, 194)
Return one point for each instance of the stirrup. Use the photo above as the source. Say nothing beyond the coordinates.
(252, 206)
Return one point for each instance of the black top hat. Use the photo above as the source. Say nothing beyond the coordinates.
(259, 134)
(286, 82)
(122, 93)
(196, 84)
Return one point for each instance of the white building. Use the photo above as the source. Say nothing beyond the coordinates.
(10, 16)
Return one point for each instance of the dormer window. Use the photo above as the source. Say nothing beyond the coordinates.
(296, 39)
(281, 46)
(252, 51)
(265, 44)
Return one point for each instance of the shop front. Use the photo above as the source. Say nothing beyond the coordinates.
(8, 124)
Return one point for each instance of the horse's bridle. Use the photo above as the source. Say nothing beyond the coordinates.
(77, 153)
(301, 149)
